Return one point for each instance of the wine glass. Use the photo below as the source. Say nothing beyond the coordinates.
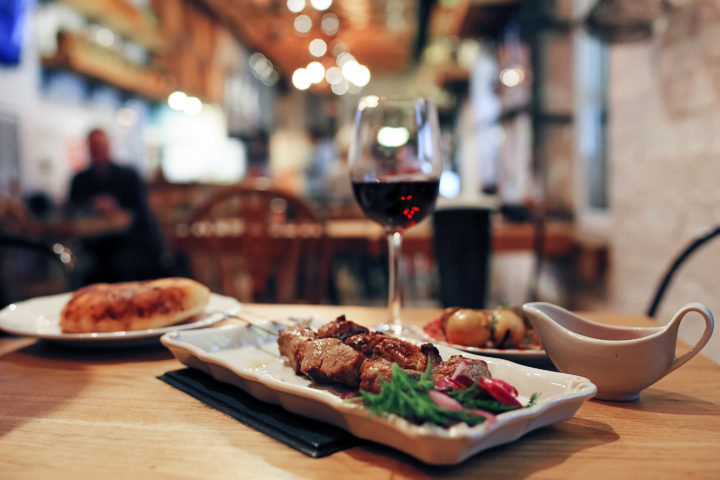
(395, 166)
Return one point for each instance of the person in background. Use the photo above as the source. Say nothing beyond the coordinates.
(105, 189)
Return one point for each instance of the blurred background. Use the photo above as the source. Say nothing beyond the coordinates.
(599, 117)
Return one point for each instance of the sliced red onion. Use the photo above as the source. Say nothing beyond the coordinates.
(444, 401)
(461, 366)
(490, 419)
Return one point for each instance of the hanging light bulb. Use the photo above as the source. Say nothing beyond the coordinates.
(316, 72)
(296, 6)
(301, 79)
(321, 5)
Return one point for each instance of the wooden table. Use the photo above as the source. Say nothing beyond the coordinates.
(68, 413)
(84, 226)
(357, 235)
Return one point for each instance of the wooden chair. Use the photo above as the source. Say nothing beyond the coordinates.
(259, 244)
(31, 268)
(15, 217)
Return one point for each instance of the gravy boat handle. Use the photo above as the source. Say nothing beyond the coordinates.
(675, 324)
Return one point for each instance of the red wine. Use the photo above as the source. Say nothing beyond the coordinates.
(396, 204)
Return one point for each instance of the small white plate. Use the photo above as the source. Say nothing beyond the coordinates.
(248, 358)
(40, 318)
(515, 354)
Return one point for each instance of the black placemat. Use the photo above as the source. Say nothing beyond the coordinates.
(310, 437)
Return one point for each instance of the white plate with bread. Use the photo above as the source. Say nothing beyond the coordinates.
(118, 315)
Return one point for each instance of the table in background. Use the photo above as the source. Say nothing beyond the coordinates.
(68, 413)
(83, 227)
(357, 235)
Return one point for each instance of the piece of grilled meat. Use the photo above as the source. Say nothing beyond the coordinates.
(475, 368)
(291, 339)
(328, 360)
(341, 328)
(375, 370)
(406, 354)
(365, 342)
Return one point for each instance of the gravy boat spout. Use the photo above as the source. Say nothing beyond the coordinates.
(620, 361)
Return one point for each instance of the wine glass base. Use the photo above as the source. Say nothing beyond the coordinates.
(394, 330)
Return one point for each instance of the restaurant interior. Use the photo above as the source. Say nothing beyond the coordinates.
(568, 120)
(577, 146)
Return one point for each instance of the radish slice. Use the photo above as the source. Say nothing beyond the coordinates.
(501, 391)
(464, 381)
(445, 383)
(506, 386)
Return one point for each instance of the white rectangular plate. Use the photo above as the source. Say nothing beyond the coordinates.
(247, 357)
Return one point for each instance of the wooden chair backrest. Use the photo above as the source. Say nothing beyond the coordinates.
(15, 217)
(32, 267)
(259, 244)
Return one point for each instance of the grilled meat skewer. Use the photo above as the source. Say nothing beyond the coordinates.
(349, 354)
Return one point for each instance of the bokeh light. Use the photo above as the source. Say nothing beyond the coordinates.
(193, 106)
(512, 77)
(301, 79)
(329, 24)
(333, 75)
(340, 88)
(296, 6)
(302, 24)
(176, 100)
(321, 4)
(317, 47)
(316, 71)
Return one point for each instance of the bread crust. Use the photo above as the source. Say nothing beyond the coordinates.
(130, 306)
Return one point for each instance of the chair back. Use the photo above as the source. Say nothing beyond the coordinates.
(675, 265)
(259, 244)
(15, 217)
(31, 268)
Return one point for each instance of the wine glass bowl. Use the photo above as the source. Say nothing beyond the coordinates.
(395, 166)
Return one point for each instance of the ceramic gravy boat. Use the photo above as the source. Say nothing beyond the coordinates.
(620, 361)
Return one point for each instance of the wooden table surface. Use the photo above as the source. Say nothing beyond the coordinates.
(73, 413)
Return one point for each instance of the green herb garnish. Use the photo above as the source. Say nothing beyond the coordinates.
(407, 396)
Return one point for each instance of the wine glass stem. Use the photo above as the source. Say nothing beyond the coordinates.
(394, 299)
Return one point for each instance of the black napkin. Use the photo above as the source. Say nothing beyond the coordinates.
(311, 437)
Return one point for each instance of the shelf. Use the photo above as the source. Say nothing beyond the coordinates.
(86, 58)
(123, 18)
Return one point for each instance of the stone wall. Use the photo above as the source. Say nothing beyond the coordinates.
(664, 151)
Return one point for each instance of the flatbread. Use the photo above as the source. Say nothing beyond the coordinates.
(104, 307)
